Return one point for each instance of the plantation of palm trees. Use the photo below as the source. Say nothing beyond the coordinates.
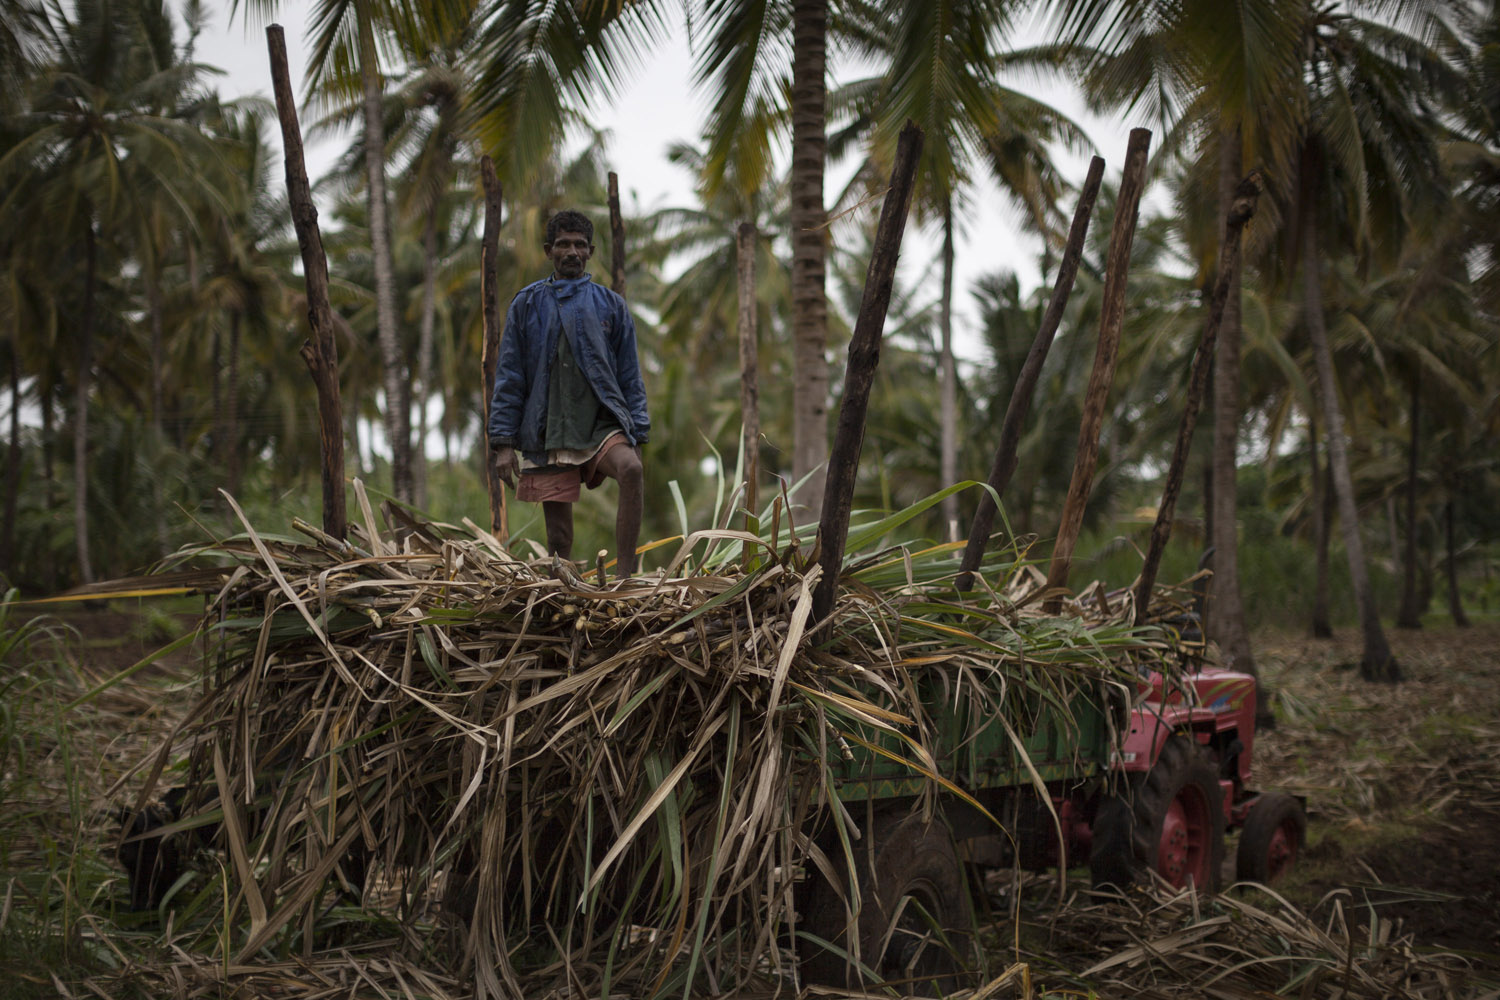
(296, 702)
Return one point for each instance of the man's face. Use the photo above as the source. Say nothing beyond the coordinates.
(569, 253)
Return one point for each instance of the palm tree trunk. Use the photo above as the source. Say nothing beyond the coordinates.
(12, 464)
(746, 241)
(361, 467)
(809, 306)
(1322, 518)
(1228, 609)
(948, 432)
(397, 388)
(49, 475)
(1424, 581)
(1392, 538)
(1455, 600)
(81, 408)
(1208, 484)
(1410, 614)
(49, 443)
(1377, 663)
(231, 442)
(154, 311)
(216, 385)
(424, 356)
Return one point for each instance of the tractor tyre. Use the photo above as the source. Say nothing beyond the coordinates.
(1169, 821)
(914, 919)
(1273, 836)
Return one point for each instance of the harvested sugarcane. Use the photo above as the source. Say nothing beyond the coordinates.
(460, 739)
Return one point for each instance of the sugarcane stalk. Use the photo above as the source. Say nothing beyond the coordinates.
(1241, 210)
(489, 251)
(321, 351)
(864, 357)
(1117, 270)
(616, 237)
(1004, 465)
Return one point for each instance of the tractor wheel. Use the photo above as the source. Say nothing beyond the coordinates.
(914, 917)
(1273, 836)
(1171, 821)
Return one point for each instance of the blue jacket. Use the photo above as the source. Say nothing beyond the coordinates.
(602, 337)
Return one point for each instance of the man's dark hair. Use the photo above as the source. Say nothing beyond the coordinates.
(569, 221)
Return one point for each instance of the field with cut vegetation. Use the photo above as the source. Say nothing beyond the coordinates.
(1395, 894)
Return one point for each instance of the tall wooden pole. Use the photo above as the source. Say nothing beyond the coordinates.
(1116, 270)
(1004, 465)
(321, 352)
(1241, 209)
(745, 241)
(489, 251)
(864, 357)
(616, 237)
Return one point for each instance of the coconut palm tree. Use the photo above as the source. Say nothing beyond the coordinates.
(942, 70)
(698, 313)
(348, 39)
(1473, 151)
(428, 125)
(1367, 159)
(106, 121)
(21, 48)
(246, 286)
(1228, 73)
(743, 63)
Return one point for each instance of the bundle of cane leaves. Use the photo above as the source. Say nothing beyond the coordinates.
(581, 782)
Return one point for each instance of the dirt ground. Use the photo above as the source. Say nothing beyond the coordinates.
(1402, 781)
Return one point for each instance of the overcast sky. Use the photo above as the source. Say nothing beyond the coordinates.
(659, 107)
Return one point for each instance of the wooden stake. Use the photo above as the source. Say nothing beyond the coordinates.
(864, 357)
(489, 251)
(1240, 212)
(745, 241)
(321, 352)
(616, 237)
(1116, 271)
(1004, 465)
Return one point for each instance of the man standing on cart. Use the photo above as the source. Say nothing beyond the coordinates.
(569, 406)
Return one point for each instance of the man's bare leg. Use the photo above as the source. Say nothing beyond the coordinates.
(623, 465)
(558, 516)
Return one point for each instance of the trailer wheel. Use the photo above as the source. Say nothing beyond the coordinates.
(1273, 836)
(1171, 821)
(914, 917)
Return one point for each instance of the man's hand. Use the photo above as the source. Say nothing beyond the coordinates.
(507, 465)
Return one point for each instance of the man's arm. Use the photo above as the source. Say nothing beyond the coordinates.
(628, 373)
(509, 397)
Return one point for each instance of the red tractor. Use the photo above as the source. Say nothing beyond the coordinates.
(1140, 792)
